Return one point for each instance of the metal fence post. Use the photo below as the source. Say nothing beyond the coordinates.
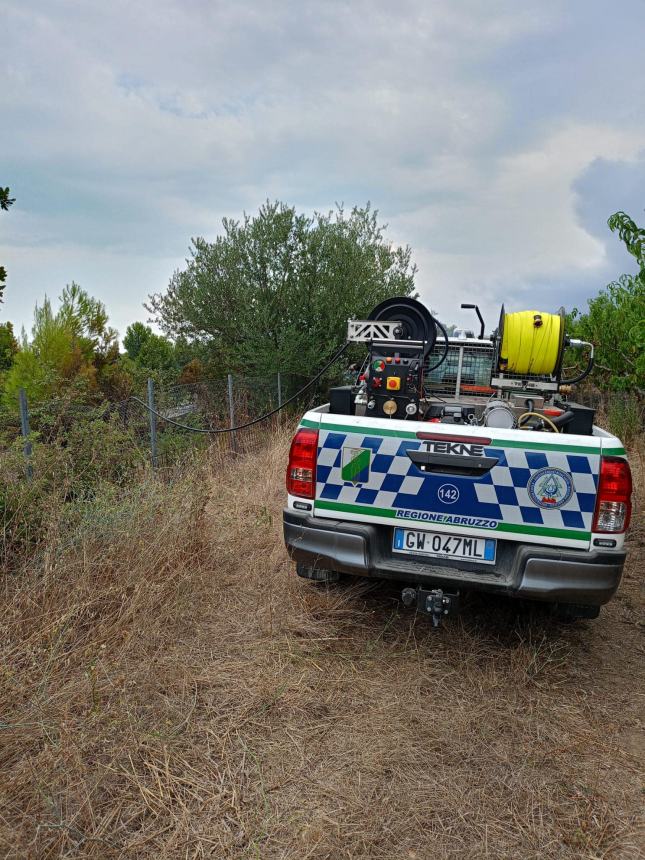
(24, 426)
(231, 411)
(279, 389)
(153, 422)
(460, 366)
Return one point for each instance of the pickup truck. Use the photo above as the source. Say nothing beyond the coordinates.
(444, 508)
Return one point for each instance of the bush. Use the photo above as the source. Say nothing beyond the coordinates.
(625, 417)
(76, 453)
(28, 509)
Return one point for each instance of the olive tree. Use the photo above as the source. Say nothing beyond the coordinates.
(274, 291)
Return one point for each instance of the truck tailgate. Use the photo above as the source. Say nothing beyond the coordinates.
(514, 484)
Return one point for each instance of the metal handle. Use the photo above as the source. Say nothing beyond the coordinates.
(453, 464)
(481, 318)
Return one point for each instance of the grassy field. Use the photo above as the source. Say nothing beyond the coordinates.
(169, 688)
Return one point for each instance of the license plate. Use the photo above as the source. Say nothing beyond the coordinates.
(441, 545)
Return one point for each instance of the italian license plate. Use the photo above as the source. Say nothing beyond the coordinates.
(439, 545)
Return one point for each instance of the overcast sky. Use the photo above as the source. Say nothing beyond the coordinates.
(494, 137)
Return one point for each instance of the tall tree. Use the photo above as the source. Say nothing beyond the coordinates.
(8, 346)
(72, 344)
(274, 291)
(137, 335)
(5, 202)
(152, 352)
(87, 318)
(615, 320)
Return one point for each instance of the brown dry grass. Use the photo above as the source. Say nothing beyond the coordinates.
(169, 688)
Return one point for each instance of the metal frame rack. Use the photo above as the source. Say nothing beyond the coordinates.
(466, 370)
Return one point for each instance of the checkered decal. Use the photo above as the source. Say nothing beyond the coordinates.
(502, 494)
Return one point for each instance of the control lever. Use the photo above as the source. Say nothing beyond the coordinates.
(481, 318)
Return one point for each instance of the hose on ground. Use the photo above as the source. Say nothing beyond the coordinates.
(266, 415)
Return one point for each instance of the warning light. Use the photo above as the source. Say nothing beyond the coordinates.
(397, 360)
(389, 359)
(393, 383)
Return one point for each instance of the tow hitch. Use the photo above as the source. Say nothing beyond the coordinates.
(436, 603)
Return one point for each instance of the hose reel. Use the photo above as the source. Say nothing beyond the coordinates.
(531, 342)
(401, 334)
(530, 347)
(415, 320)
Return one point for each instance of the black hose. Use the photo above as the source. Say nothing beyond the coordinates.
(334, 358)
(563, 419)
(445, 350)
(585, 373)
(558, 420)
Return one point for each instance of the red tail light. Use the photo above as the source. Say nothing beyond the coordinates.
(613, 502)
(301, 471)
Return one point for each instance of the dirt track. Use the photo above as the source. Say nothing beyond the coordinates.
(272, 718)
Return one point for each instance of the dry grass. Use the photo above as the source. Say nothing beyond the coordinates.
(169, 688)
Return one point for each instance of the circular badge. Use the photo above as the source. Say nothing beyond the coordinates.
(550, 488)
(448, 494)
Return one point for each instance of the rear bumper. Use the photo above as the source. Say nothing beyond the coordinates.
(522, 570)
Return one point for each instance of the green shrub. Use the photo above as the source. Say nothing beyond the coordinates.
(75, 455)
(28, 508)
(625, 417)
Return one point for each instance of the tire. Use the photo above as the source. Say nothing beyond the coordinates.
(316, 574)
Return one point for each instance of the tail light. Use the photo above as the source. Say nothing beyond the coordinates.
(613, 502)
(301, 471)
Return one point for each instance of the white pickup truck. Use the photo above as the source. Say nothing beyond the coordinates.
(449, 507)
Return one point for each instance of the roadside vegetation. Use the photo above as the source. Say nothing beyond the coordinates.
(615, 319)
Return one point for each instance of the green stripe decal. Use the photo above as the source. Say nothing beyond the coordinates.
(496, 443)
(614, 452)
(389, 513)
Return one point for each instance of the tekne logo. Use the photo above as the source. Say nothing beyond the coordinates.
(356, 465)
(550, 488)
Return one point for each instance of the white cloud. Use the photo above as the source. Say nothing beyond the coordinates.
(518, 225)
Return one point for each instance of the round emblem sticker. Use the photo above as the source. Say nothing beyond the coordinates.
(550, 488)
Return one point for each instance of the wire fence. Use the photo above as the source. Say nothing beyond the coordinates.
(212, 404)
(201, 406)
